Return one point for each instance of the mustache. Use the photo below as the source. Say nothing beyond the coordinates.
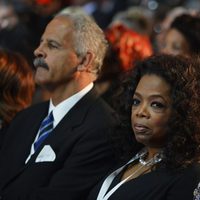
(39, 62)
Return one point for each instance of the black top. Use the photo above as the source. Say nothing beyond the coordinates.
(160, 184)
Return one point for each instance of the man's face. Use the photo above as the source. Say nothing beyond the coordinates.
(56, 49)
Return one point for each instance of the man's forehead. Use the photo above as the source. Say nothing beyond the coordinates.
(62, 21)
(59, 25)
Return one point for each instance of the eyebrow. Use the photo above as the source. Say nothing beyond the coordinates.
(51, 41)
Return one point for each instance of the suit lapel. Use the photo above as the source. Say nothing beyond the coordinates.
(37, 116)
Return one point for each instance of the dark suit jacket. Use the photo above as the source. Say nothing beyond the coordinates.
(160, 184)
(2, 134)
(80, 142)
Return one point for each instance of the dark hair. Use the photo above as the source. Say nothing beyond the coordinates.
(16, 84)
(189, 26)
(183, 144)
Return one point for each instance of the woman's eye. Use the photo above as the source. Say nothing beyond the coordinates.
(157, 105)
(135, 102)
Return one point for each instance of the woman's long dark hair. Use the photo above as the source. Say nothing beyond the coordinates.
(183, 144)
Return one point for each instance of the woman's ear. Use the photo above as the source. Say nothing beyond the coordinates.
(86, 62)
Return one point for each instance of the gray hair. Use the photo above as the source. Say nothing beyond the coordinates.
(139, 19)
(88, 37)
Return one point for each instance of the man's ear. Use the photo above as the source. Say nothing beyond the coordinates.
(86, 62)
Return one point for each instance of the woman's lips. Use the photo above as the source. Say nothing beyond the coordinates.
(139, 128)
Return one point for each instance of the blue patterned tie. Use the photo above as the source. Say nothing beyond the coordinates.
(45, 129)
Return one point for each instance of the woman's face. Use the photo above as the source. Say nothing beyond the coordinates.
(175, 43)
(151, 110)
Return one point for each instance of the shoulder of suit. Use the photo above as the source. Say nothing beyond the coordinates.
(34, 108)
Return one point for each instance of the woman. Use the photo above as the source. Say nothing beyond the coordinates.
(16, 86)
(183, 36)
(163, 101)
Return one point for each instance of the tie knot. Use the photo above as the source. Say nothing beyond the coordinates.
(47, 120)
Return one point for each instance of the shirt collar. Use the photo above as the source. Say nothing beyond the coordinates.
(63, 108)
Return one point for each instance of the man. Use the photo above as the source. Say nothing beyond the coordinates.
(75, 152)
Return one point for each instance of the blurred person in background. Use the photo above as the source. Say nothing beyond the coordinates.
(139, 19)
(8, 16)
(163, 25)
(14, 32)
(183, 36)
(126, 47)
(16, 86)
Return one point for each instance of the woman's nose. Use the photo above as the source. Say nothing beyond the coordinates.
(142, 111)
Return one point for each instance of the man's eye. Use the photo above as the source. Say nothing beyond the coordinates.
(52, 46)
(135, 102)
(157, 105)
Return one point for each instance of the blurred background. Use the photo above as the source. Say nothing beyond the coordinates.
(135, 29)
(23, 21)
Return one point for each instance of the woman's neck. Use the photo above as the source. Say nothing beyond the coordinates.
(152, 151)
